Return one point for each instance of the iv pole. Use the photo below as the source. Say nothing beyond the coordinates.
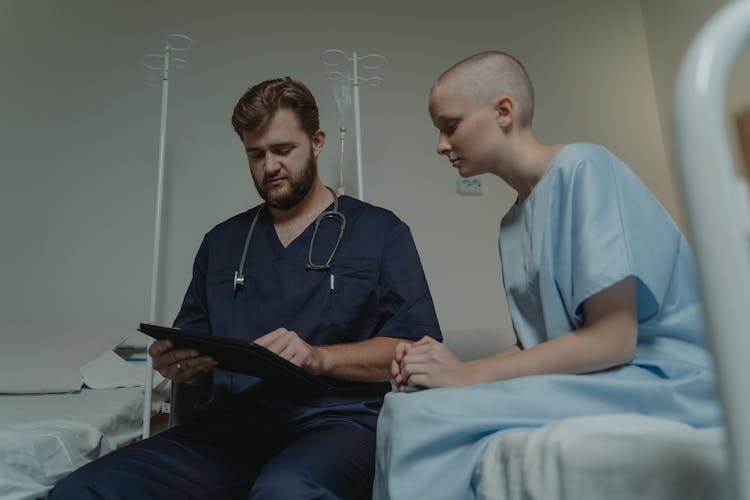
(174, 42)
(333, 58)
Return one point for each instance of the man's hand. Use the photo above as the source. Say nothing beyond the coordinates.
(179, 365)
(427, 363)
(291, 347)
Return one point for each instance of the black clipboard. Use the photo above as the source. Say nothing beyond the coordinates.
(246, 357)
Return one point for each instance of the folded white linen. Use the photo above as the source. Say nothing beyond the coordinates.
(617, 457)
(109, 371)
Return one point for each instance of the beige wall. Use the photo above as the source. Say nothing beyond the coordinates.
(668, 36)
(79, 134)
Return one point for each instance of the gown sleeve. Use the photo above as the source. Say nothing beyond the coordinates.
(610, 227)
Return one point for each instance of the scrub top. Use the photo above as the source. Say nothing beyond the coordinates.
(588, 223)
(375, 287)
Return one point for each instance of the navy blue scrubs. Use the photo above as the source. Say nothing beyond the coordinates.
(251, 440)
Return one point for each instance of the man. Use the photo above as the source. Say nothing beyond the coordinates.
(333, 303)
(600, 286)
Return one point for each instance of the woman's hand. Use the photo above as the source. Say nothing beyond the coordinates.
(426, 364)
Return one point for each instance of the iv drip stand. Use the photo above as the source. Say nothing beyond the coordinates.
(357, 129)
(148, 385)
(335, 57)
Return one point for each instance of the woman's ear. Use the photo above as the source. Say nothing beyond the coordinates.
(504, 108)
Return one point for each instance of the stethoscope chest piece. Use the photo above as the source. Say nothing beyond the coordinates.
(239, 281)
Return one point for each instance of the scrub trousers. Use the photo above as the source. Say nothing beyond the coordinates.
(237, 454)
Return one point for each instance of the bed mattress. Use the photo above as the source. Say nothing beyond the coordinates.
(44, 437)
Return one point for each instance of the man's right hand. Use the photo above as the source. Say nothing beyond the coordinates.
(179, 365)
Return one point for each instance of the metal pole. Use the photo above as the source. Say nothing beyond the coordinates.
(148, 386)
(357, 131)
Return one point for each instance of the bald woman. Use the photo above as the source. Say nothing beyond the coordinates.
(600, 285)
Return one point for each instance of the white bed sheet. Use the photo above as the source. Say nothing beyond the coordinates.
(44, 437)
(617, 457)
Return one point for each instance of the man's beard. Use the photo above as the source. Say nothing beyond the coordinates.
(299, 187)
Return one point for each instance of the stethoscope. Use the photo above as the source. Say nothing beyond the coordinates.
(239, 275)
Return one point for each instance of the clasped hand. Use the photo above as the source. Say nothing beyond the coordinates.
(425, 364)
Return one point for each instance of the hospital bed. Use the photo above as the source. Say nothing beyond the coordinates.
(46, 432)
(617, 457)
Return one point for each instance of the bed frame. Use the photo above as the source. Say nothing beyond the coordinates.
(716, 215)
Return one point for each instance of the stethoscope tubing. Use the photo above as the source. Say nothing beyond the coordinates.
(239, 275)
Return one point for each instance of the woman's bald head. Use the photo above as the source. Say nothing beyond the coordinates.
(488, 75)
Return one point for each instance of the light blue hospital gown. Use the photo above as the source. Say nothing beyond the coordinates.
(588, 224)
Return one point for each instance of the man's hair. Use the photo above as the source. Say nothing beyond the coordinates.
(258, 105)
(493, 72)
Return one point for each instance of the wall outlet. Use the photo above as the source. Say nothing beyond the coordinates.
(469, 185)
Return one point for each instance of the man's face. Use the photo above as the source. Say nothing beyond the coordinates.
(468, 131)
(283, 159)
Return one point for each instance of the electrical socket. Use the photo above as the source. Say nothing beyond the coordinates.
(469, 185)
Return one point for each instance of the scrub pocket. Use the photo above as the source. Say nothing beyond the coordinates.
(353, 299)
